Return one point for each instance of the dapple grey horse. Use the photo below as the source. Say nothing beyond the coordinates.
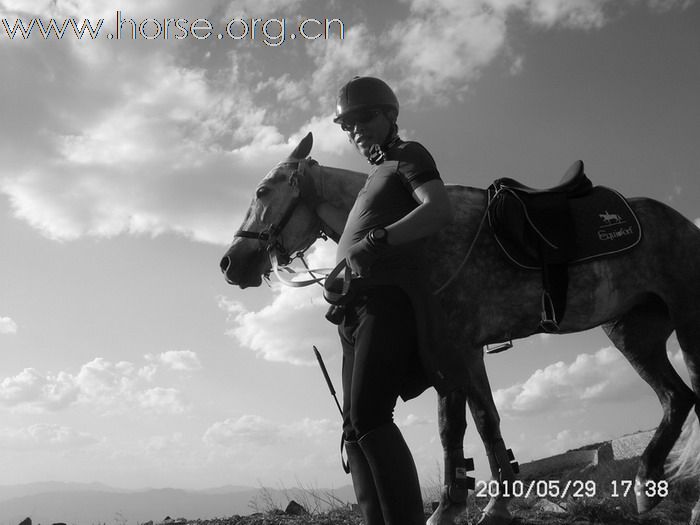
(639, 298)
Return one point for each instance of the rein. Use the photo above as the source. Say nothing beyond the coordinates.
(276, 268)
(469, 251)
(333, 272)
(273, 245)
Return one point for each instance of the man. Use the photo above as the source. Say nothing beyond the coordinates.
(403, 201)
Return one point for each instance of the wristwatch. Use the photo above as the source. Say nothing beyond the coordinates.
(379, 236)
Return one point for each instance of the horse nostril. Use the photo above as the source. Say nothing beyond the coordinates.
(224, 264)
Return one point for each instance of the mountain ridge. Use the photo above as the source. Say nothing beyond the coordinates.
(86, 504)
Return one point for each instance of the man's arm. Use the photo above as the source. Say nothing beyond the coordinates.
(433, 213)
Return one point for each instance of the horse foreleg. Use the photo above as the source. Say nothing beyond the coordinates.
(452, 423)
(488, 424)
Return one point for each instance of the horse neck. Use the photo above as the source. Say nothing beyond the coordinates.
(338, 186)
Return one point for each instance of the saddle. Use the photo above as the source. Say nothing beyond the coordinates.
(550, 229)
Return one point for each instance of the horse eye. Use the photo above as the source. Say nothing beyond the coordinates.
(261, 192)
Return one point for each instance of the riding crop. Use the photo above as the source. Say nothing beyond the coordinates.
(346, 466)
(328, 379)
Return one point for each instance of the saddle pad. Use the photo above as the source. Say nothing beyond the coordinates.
(604, 225)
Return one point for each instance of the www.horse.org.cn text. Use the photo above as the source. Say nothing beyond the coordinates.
(271, 32)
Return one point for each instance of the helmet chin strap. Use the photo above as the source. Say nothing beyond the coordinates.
(376, 152)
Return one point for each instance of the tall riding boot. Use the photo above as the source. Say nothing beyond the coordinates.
(363, 483)
(395, 476)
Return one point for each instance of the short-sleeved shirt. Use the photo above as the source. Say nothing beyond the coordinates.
(387, 197)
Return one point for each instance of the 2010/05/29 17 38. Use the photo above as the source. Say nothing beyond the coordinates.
(553, 488)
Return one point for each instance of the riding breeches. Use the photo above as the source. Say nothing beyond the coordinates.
(380, 354)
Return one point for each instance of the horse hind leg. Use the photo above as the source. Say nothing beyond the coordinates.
(641, 336)
(688, 332)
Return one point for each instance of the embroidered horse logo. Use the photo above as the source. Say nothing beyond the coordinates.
(610, 219)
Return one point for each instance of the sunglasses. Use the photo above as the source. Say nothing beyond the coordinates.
(349, 122)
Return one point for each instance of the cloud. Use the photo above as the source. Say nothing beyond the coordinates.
(120, 386)
(601, 377)
(132, 141)
(443, 45)
(662, 6)
(697, 222)
(569, 439)
(101, 384)
(244, 430)
(7, 326)
(261, 8)
(88, 8)
(578, 14)
(147, 162)
(412, 420)
(44, 436)
(287, 328)
(261, 432)
(161, 400)
(339, 60)
(38, 392)
(276, 451)
(181, 360)
(147, 138)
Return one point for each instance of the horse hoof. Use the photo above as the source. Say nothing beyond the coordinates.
(495, 513)
(493, 519)
(694, 517)
(645, 503)
(446, 515)
(447, 510)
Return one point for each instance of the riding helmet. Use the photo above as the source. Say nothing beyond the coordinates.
(364, 93)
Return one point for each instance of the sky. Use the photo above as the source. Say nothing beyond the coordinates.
(127, 165)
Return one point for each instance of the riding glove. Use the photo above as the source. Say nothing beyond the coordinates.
(363, 254)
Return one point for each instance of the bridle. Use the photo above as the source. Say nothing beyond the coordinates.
(272, 235)
(280, 257)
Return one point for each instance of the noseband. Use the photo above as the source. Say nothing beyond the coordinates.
(272, 235)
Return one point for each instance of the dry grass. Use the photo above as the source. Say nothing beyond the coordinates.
(601, 509)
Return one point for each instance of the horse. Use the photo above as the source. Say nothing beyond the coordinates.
(639, 298)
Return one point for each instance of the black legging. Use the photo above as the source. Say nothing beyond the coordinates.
(379, 342)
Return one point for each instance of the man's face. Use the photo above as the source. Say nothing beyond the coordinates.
(366, 128)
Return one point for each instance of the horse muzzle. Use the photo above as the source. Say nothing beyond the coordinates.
(244, 276)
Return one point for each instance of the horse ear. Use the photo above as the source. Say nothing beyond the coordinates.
(303, 148)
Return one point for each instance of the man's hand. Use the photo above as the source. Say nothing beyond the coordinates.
(363, 254)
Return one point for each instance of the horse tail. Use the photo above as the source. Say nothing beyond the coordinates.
(684, 460)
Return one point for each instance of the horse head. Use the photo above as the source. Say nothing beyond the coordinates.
(278, 222)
